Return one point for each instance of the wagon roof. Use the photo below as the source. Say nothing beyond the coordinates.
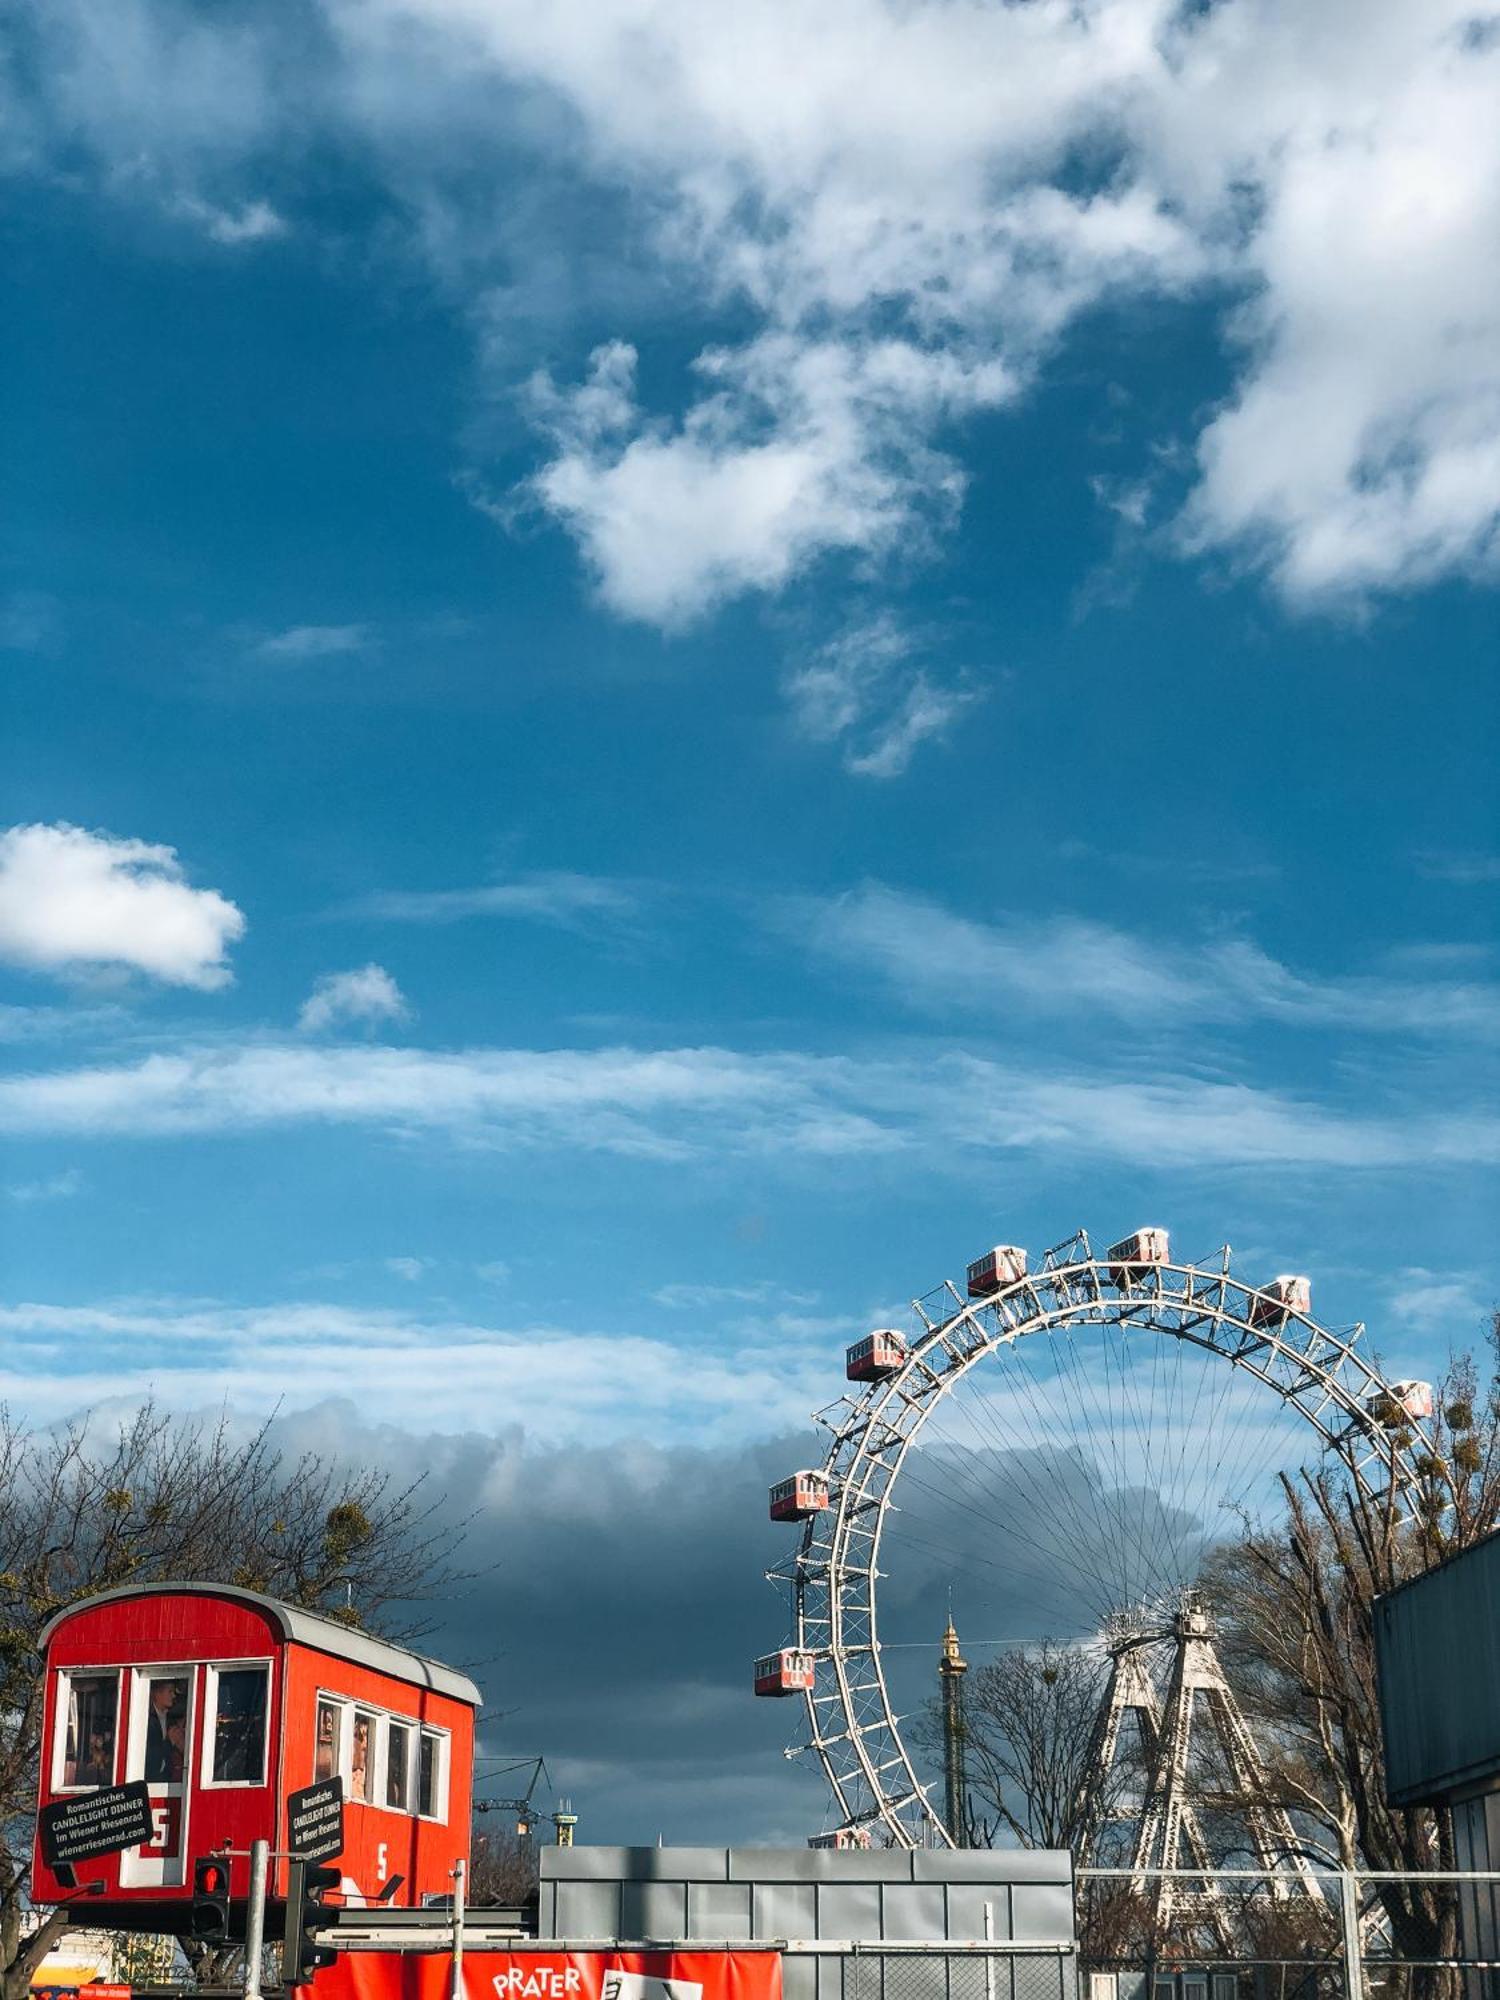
(304, 1628)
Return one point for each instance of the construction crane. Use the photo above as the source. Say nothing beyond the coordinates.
(563, 1820)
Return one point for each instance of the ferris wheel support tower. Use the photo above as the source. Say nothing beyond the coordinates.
(1169, 1834)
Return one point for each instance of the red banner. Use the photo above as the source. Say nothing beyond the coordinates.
(551, 1975)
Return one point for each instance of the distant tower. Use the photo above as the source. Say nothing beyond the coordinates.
(951, 1670)
(565, 1820)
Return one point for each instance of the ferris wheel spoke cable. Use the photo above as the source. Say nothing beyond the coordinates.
(1114, 1538)
(1027, 1468)
(1052, 1548)
(1024, 1467)
(1058, 1552)
(1130, 1542)
(1047, 1585)
(1097, 1527)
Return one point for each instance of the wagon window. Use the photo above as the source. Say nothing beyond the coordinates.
(362, 1757)
(87, 1709)
(397, 1762)
(239, 1740)
(430, 1801)
(326, 1754)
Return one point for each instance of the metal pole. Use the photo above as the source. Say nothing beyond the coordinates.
(1354, 1982)
(458, 1931)
(255, 1916)
(989, 1963)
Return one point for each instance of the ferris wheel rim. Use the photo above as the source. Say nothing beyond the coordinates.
(834, 1571)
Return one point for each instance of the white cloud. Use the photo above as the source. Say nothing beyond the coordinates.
(863, 691)
(408, 1268)
(368, 994)
(1472, 870)
(55, 1187)
(566, 1380)
(1340, 166)
(315, 642)
(935, 958)
(553, 897)
(910, 204)
(250, 222)
(1361, 448)
(698, 1298)
(692, 1104)
(798, 448)
(71, 900)
(1433, 1304)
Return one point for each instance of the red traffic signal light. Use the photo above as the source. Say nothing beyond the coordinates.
(208, 1919)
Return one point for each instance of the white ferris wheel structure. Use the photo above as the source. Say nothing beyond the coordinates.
(1095, 1424)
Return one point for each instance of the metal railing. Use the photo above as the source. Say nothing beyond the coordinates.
(1348, 1968)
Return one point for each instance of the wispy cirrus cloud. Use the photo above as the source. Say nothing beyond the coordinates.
(549, 896)
(566, 1379)
(1471, 870)
(941, 961)
(51, 1187)
(869, 691)
(315, 642)
(680, 1105)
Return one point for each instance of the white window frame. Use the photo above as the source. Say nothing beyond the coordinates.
(206, 1779)
(378, 1766)
(65, 1678)
(442, 1740)
(409, 1724)
(342, 1739)
(372, 1760)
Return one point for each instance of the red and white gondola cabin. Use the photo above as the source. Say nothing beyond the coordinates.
(997, 1268)
(800, 1496)
(788, 1672)
(1130, 1259)
(1274, 1304)
(224, 1702)
(879, 1354)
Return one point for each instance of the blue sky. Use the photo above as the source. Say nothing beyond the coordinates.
(661, 674)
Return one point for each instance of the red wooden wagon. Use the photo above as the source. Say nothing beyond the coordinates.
(224, 1701)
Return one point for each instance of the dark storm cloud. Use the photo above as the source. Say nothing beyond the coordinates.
(620, 1601)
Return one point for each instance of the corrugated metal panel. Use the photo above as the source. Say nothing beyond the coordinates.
(1437, 1652)
(797, 1892)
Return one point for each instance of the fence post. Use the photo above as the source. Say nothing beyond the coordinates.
(1354, 1978)
(457, 1989)
(255, 1916)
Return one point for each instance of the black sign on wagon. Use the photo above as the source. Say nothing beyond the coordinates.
(315, 1821)
(98, 1823)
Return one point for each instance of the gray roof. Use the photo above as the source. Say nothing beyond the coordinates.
(307, 1628)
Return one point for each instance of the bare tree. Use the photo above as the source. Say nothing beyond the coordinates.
(1029, 1718)
(503, 1870)
(156, 1500)
(1296, 1607)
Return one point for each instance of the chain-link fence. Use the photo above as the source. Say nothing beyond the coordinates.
(1326, 1934)
(1000, 1972)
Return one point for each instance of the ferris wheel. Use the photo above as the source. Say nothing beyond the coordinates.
(1063, 1447)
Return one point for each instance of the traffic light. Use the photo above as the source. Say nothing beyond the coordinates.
(301, 1956)
(208, 1920)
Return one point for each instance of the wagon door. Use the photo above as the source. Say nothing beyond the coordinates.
(161, 1748)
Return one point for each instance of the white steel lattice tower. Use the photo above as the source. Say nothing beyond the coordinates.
(1170, 1834)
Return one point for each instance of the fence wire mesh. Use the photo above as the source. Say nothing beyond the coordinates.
(940, 1975)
